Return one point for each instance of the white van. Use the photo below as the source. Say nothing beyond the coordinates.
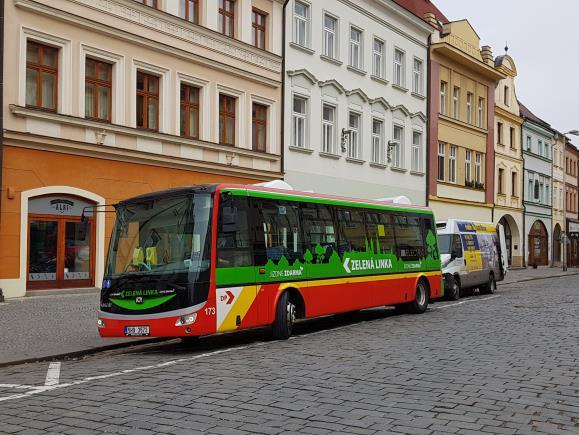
(472, 254)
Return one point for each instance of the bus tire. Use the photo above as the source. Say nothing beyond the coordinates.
(491, 287)
(420, 303)
(455, 290)
(285, 316)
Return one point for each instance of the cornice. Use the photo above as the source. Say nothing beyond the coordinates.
(508, 115)
(134, 132)
(135, 13)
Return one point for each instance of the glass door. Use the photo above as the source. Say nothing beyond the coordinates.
(61, 252)
(43, 253)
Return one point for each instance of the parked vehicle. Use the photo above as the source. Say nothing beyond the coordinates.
(473, 255)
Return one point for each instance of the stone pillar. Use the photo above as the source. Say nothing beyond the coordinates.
(487, 55)
(490, 154)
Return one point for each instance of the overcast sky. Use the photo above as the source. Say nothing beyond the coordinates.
(543, 40)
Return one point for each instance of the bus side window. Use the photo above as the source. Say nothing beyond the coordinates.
(457, 245)
(280, 230)
(319, 231)
(233, 237)
(409, 237)
(351, 231)
(380, 232)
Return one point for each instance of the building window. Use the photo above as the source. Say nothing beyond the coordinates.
(481, 113)
(259, 127)
(227, 109)
(478, 167)
(541, 187)
(398, 148)
(469, 108)
(227, 17)
(329, 48)
(514, 184)
(301, 23)
(530, 194)
(378, 141)
(529, 143)
(355, 48)
(41, 76)
(150, 3)
(328, 129)
(354, 142)
(147, 101)
(189, 10)
(378, 58)
(299, 122)
(441, 161)
(500, 133)
(417, 76)
(540, 147)
(416, 152)
(501, 189)
(443, 93)
(98, 90)
(468, 166)
(452, 164)
(507, 95)
(548, 155)
(456, 102)
(512, 138)
(189, 106)
(258, 28)
(399, 67)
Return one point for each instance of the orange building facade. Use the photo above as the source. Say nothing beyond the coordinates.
(108, 100)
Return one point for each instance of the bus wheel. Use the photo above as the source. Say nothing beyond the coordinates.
(285, 316)
(420, 303)
(454, 294)
(491, 287)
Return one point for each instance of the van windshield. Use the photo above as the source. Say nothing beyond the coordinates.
(445, 243)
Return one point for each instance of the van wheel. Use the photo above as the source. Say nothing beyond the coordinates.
(420, 303)
(285, 317)
(491, 287)
(454, 294)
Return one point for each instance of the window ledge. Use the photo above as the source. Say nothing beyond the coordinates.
(378, 165)
(302, 48)
(379, 79)
(357, 70)
(419, 96)
(301, 150)
(417, 173)
(329, 155)
(400, 88)
(331, 60)
(397, 169)
(353, 160)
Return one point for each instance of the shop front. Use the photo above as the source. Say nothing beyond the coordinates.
(538, 244)
(61, 248)
(573, 244)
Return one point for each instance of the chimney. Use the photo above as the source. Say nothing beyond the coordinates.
(430, 18)
(487, 55)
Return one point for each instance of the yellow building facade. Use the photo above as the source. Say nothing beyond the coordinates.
(461, 145)
(509, 160)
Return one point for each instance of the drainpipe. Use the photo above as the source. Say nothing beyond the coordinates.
(523, 193)
(283, 84)
(428, 104)
(1, 99)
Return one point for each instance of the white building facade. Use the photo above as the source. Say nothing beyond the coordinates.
(355, 93)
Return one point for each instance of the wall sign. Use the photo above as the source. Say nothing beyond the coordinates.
(59, 206)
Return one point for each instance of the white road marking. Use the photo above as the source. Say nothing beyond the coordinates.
(19, 387)
(37, 390)
(52, 375)
(464, 302)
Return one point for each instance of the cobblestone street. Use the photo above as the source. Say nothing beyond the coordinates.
(505, 363)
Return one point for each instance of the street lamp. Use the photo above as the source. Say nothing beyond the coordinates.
(564, 236)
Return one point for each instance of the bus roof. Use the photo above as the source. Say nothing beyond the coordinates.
(265, 192)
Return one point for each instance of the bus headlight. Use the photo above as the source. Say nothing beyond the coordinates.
(186, 320)
(100, 323)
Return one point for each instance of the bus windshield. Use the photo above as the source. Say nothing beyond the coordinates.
(161, 236)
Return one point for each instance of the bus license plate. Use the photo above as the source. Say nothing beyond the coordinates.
(136, 331)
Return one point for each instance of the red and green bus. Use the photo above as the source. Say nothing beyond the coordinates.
(214, 258)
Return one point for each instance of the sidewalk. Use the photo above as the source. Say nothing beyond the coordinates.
(39, 327)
